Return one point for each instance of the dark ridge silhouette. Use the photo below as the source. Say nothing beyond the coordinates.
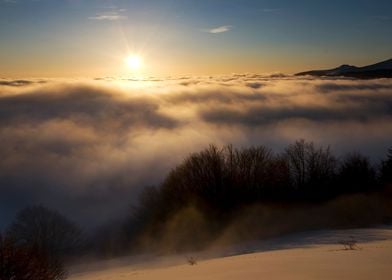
(379, 70)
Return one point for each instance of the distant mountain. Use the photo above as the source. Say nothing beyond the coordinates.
(378, 70)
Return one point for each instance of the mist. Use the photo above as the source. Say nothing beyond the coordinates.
(87, 147)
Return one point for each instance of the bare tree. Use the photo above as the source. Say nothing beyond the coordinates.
(296, 157)
(46, 231)
(386, 168)
(356, 174)
(249, 168)
(19, 262)
(309, 166)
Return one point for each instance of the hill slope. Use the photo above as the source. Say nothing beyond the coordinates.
(314, 255)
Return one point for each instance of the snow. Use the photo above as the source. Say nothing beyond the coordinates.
(312, 255)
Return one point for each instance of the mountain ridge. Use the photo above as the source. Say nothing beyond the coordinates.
(381, 69)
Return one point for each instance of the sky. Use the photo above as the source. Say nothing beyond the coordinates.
(92, 38)
(99, 99)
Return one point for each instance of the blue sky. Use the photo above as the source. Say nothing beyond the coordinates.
(90, 38)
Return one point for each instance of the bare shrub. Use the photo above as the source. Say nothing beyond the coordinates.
(349, 244)
(191, 260)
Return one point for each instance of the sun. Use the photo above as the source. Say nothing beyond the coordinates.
(134, 62)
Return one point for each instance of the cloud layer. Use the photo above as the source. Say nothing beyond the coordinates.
(87, 147)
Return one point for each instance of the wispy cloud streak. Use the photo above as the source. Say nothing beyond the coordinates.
(220, 29)
(114, 14)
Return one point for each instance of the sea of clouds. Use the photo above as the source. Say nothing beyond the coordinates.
(87, 147)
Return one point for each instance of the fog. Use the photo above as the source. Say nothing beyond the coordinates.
(87, 147)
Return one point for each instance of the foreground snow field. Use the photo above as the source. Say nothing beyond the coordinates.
(313, 255)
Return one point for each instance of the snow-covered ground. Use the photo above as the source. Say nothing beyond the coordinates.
(310, 255)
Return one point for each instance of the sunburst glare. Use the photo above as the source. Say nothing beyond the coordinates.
(134, 62)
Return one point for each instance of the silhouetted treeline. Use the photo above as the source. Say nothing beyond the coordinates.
(210, 188)
(215, 196)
